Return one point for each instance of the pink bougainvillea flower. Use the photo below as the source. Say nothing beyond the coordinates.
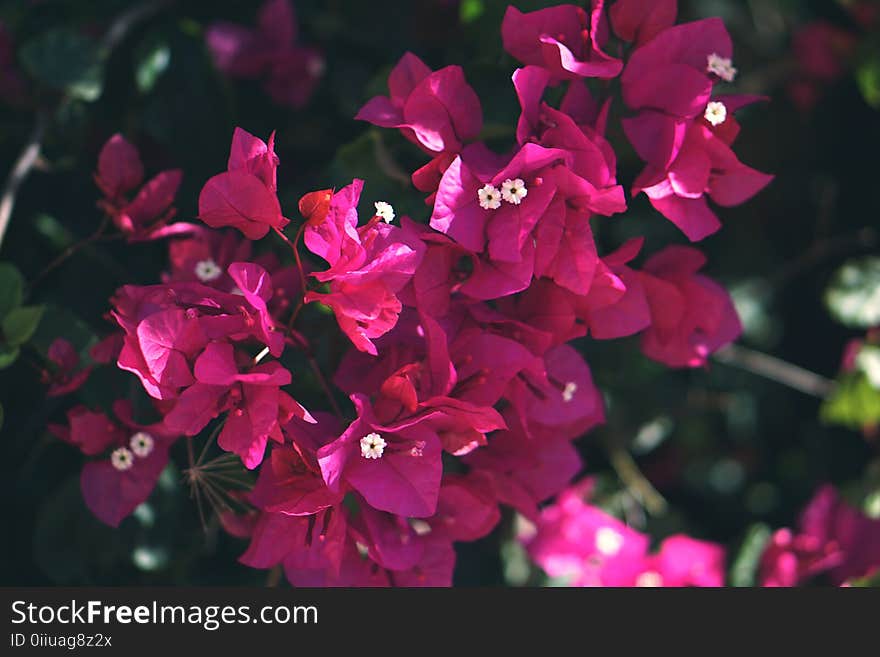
(564, 39)
(290, 484)
(304, 545)
(115, 487)
(203, 257)
(563, 400)
(437, 110)
(244, 196)
(684, 561)
(833, 537)
(270, 52)
(616, 305)
(585, 546)
(547, 196)
(524, 471)
(134, 457)
(671, 72)
(67, 375)
(639, 21)
(368, 266)
(167, 326)
(703, 165)
(691, 315)
(119, 168)
(395, 468)
(147, 215)
(90, 431)
(424, 382)
(467, 509)
(258, 408)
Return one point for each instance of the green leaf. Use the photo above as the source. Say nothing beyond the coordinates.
(152, 59)
(19, 325)
(8, 355)
(744, 571)
(65, 60)
(868, 77)
(854, 403)
(854, 294)
(11, 288)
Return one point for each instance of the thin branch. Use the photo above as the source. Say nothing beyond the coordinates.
(862, 239)
(29, 156)
(386, 162)
(71, 251)
(636, 482)
(776, 369)
(326, 386)
(124, 22)
(292, 245)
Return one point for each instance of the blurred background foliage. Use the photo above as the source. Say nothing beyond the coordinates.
(732, 452)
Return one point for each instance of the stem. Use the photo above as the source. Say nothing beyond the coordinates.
(292, 245)
(20, 171)
(865, 238)
(776, 369)
(636, 482)
(295, 314)
(327, 391)
(122, 24)
(70, 251)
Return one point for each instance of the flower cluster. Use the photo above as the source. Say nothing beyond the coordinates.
(464, 391)
(584, 546)
(146, 216)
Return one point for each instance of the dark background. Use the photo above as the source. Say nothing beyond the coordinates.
(729, 450)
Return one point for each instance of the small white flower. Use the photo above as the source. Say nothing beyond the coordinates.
(372, 446)
(716, 113)
(514, 191)
(568, 392)
(384, 211)
(608, 541)
(649, 579)
(207, 271)
(490, 197)
(142, 444)
(122, 459)
(721, 66)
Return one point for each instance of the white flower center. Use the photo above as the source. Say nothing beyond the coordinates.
(649, 579)
(384, 211)
(608, 541)
(490, 197)
(372, 446)
(568, 392)
(121, 459)
(207, 271)
(716, 113)
(721, 66)
(514, 191)
(142, 444)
